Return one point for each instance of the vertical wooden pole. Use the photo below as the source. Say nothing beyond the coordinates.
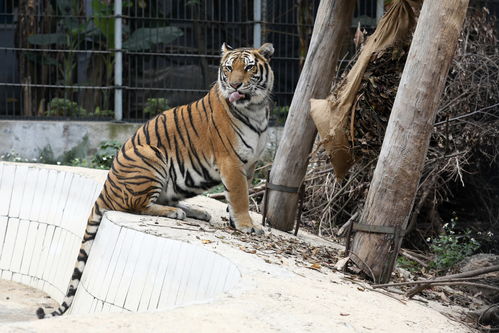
(395, 180)
(333, 20)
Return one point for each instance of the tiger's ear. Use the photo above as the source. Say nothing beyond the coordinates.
(266, 50)
(226, 48)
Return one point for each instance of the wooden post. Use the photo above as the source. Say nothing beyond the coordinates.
(333, 20)
(395, 180)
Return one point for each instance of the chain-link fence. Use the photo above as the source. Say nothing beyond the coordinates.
(130, 59)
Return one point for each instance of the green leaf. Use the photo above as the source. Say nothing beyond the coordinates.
(145, 38)
(64, 6)
(102, 22)
(48, 39)
(42, 59)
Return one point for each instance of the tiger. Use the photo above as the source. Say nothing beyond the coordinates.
(186, 150)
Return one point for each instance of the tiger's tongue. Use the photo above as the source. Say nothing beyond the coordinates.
(235, 96)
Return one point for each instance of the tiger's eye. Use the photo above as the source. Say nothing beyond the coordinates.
(249, 67)
(228, 68)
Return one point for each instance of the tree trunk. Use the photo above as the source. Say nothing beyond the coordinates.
(331, 25)
(395, 180)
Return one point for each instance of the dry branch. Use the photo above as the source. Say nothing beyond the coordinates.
(465, 139)
(427, 282)
(468, 274)
(410, 256)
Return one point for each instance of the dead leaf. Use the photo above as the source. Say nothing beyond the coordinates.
(245, 249)
(358, 37)
(315, 266)
(207, 241)
(340, 265)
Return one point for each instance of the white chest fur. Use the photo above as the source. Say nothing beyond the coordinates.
(250, 126)
(257, 144)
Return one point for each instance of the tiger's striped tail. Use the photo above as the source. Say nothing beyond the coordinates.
(93, 223)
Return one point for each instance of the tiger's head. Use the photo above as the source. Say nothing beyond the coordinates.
(245, 76)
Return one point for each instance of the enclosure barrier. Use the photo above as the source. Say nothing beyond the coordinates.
(43, 214)
(129, 60)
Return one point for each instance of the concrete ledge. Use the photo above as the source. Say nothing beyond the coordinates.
(43, 214)
(129, 270)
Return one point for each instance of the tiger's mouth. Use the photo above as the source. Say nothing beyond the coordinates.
(235, 96)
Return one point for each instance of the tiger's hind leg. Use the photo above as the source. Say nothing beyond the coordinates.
(142, 173)
(195, 213)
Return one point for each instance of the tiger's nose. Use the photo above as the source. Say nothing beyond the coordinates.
(236, 85)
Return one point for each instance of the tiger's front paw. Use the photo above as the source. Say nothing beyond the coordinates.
(176, 213)
(246, 226)
(251, 229)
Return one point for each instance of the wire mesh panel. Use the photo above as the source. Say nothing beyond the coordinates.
(179, 61)
(59, 56)
(47, 48)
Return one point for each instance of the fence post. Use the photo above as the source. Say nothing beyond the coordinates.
(380, 9)
(331, 27)
(118, 63)
(257, 25)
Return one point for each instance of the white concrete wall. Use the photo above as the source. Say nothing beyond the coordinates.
(43, 214)
(29, 138)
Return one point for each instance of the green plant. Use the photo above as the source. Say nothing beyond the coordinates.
(408, 264)
(47, 156)
(216, 189)
(104, 156)
(155, 106)
(14, 157)
(449, 248)
(102, 159)
(280, 114)
(102, 112)
(72, 30)
(69, 34)
(65, 107)
(80, 162)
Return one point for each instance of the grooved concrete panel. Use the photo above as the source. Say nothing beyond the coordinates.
(43, 214)
(38, 247)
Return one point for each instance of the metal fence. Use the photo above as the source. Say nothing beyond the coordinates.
(127, 60)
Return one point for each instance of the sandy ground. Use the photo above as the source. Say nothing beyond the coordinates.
(18, 302)
(277, 293)
(286, 303)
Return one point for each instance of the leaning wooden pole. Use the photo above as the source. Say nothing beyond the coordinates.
(333, 19)
(395, 180)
